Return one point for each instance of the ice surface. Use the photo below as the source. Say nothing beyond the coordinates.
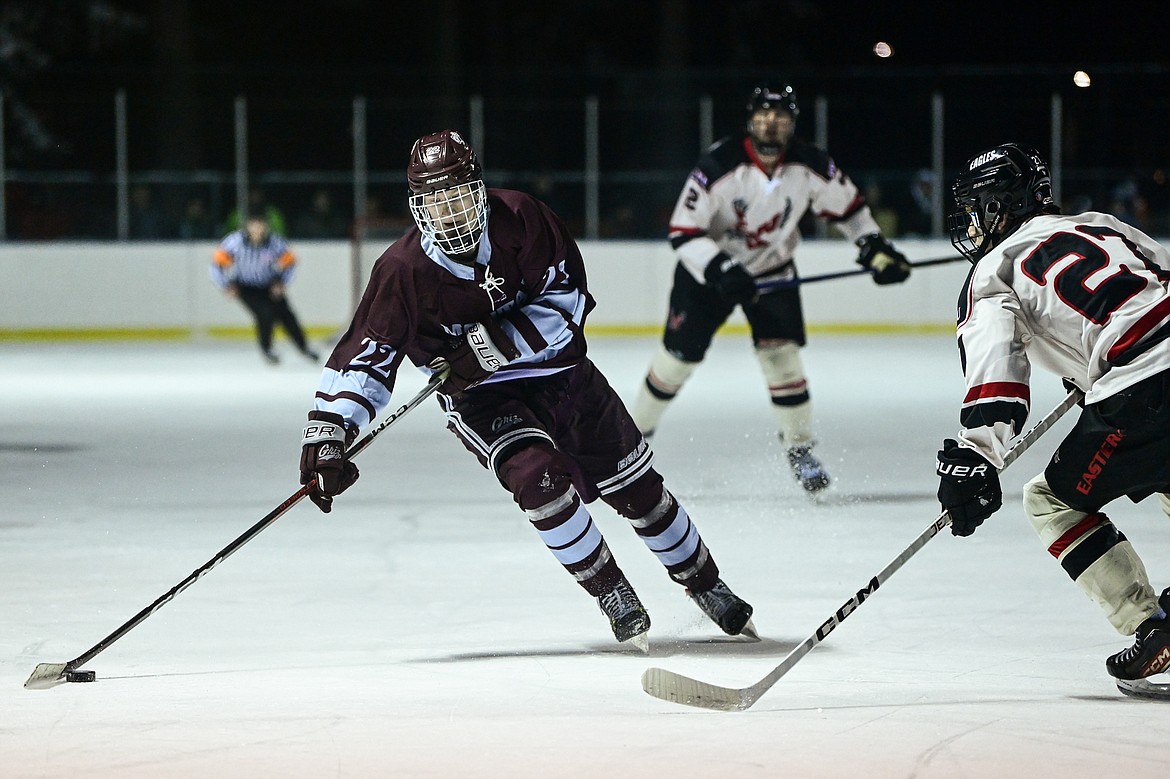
(422, 630)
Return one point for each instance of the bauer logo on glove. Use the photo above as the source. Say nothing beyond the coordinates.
(968, 487)
(484, 348)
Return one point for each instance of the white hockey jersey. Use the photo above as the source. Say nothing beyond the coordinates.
(1084, 296)
(731, 204)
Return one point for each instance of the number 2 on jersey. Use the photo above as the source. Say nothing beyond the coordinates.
(1089, 256)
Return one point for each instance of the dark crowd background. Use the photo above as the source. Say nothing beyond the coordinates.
(182, 67)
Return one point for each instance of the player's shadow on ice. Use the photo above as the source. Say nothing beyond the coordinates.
(663, 647)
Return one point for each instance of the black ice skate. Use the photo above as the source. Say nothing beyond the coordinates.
(627, 616)
(1150, 653)
(807, 469)
(730, 612)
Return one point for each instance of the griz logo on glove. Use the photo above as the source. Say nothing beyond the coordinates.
(329, 451)
(847, 608)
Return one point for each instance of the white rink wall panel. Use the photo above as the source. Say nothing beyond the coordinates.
(71, 287)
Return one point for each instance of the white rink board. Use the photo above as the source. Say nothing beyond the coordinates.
(96, 286)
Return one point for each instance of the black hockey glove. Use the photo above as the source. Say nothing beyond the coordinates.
(483, 350)
(730, 279)
(968, 487)
(889, 265)
(324, 443)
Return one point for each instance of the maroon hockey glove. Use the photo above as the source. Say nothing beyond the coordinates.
(730, 279)
(968, 487)
(483, 350)
(324, 444)
(889, 265)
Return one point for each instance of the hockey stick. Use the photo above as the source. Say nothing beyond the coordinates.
(676, 688)
(47, 675)
(769, 286)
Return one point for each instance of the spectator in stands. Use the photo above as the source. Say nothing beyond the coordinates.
(146, 218)
(320, 221)
(196, 222)
(919, 217)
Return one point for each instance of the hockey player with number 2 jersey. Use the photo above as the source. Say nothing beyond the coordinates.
(1084, 296)
(735, 230)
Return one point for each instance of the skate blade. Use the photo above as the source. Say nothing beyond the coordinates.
(749, 632)
(1144, 689)
(641, 642)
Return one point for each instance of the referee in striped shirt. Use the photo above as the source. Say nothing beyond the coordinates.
(254, 265)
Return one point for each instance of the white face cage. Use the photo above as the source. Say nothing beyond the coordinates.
(454, 218)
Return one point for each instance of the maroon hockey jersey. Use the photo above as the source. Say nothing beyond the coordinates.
(528, 275)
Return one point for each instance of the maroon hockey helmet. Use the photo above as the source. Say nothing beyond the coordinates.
(448, 199)
(441, 160)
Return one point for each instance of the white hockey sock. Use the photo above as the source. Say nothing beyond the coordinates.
(788, 389)
(1095, 555)
(795, 424)
(663, 381)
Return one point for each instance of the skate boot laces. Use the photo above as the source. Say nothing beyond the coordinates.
(627, 616)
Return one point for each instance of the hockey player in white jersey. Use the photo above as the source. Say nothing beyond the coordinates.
(1085, 297)
(735, 230)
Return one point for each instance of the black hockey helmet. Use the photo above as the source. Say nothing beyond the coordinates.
(999, 187)
(769, 136)
(764, 97)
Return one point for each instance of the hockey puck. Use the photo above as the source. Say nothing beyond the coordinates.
(80, 676)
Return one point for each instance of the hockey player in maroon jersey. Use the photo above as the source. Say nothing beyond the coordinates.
(735, 230)
(1085, 296)
(491, 284)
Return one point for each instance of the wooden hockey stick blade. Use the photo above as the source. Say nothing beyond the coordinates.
(676, 688)
(1144, 689)
(46, 675)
